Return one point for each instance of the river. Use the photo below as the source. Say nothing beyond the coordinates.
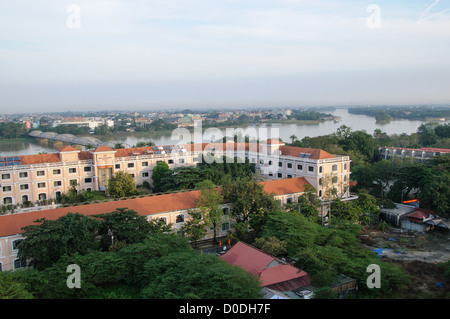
(355, 122)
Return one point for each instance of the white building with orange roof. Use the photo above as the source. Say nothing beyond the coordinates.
(172, 208)
(40, 179)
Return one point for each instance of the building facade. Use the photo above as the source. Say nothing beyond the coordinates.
(40, 179)
(172, 208)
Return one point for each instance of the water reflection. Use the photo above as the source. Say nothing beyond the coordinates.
(355, 122)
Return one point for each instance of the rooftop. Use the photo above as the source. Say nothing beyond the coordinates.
(145, 206)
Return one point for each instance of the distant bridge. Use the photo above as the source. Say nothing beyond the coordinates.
(72, 139)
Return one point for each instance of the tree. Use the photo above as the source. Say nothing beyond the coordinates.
(250, 203)
(194, 227)
(209, 203)
(190, 275)
(11, 288)
(293, 138)
(121, 185)
(122, 226)
(45, 243)
(118, 145)
(160, 172)
(272, 245)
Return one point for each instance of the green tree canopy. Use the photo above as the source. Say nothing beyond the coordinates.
(46, 242)
(121, 185)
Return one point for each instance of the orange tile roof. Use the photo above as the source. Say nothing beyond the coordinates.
(126, 152)
(273, 141)
(286, 186)
(40, 159)
(67, 148)
(12, 224)
(296, 151)
(103, 148)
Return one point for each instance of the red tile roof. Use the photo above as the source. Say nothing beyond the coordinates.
(273, 141)
(40, 159)
(296, 151)
(273, 273)
(286, 186)
(103, 148)
(12, 224)
(67, 148)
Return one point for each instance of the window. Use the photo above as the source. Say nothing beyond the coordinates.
(171, 161)
(42, 196)
(56, 172)
(181, 161)
(1, 266)
(40, 173)
(23, 187)
(280, 175)
(7, 188)
(334, 168)
(310, 168)
(130, 165)
(300, 167)
(57, 183)
(144, 164)
(289, 200)
(19, 264)
(345, 166)
(88, 180)
(6, 176)
(270, 163)
(226, 210)
(320, 169)
(7, 200)
(132, 175)
(145, 174)
(289, 165)
(15, 243)
(345, 178)
(87, 169)
(334, 179)
(225, 226)
(320, 181)
(162, 220)
(23, 174)
(73, 182)
(58, 195)
(179, 218)
(40, 185)
(320, 193)
(24, 199)
(280, 164)
(117, 166)
(72, 170)
(289, 176)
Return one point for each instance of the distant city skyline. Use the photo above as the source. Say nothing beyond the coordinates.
(91, 55)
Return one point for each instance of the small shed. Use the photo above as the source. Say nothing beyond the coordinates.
(393, 215)
(418, 220)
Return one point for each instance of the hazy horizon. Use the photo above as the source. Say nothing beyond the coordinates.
(141, 55)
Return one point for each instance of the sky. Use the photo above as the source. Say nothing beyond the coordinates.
(59, 55)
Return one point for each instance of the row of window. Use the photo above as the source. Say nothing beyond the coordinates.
(24, 187)
(73, 170)
(334, 168)
(17, 264)
(56, 171)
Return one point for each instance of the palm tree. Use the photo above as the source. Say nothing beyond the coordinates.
(118, 145)
(89, 147)
(293, 138)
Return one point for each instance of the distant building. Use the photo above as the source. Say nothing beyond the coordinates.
(420, 154)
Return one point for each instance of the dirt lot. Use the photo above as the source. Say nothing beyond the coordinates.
(419, 254)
